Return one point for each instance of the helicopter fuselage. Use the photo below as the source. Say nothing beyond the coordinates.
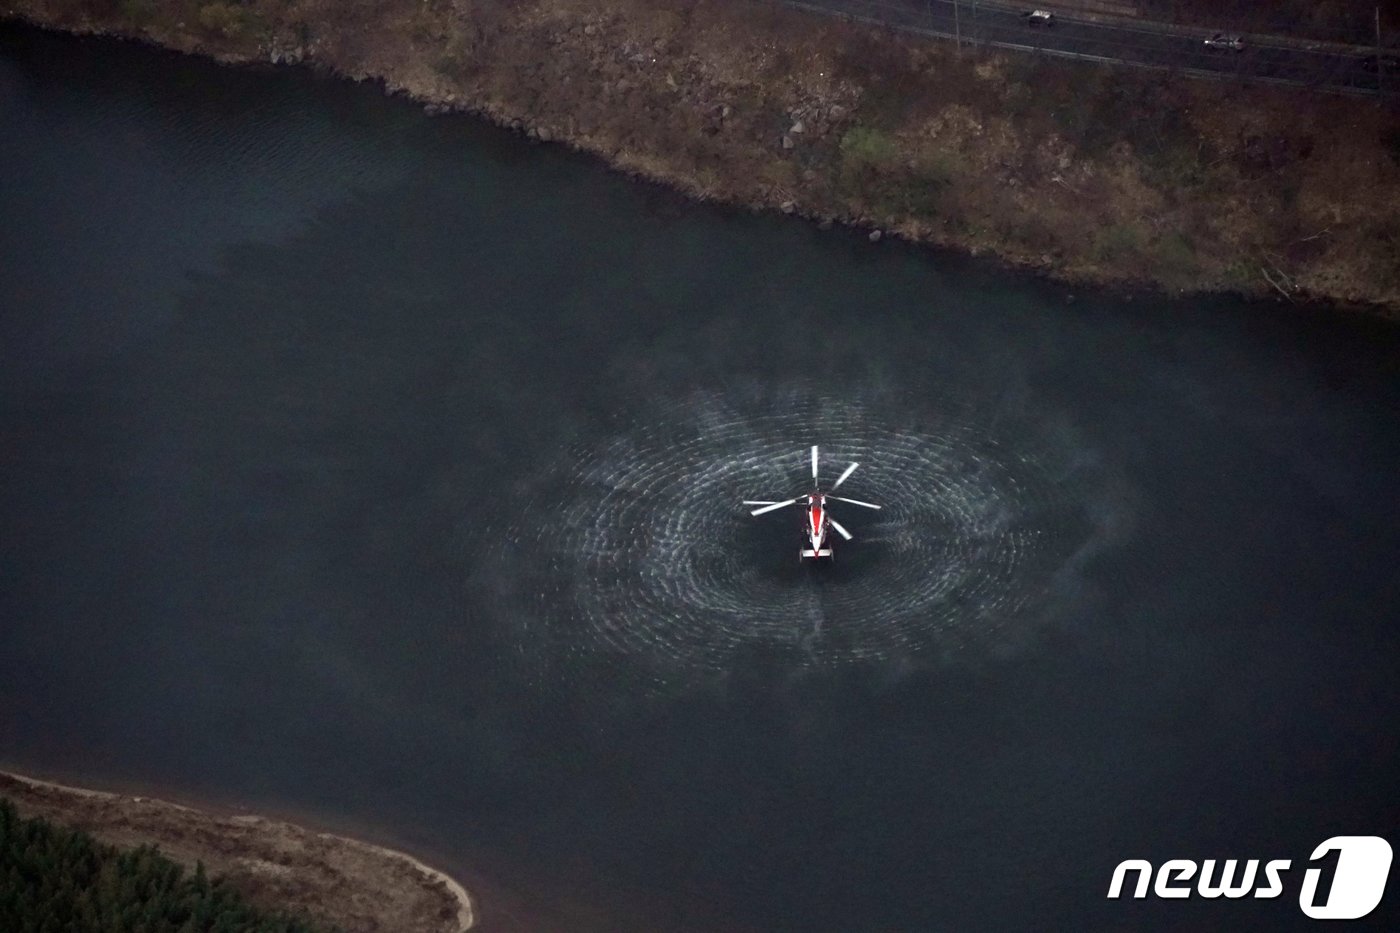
(817, 526)
(815, 538)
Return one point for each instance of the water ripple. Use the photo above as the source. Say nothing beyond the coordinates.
(639, 545)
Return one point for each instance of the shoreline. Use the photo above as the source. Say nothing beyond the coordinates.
(956, 177)
(335, 879)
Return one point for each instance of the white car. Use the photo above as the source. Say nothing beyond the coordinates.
(1222, 41)
(1039, 18)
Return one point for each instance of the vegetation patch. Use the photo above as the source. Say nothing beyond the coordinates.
(863, 148)
(229, 20)
(56, 879)
(1119, 242)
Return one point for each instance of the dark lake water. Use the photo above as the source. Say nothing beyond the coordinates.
(387, 469)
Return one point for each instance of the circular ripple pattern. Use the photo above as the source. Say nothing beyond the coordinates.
(641, 545)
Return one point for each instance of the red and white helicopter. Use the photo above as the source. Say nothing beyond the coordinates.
(819, 520)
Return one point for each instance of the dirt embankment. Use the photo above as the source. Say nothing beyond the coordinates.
(1085, 172)
(356, 886)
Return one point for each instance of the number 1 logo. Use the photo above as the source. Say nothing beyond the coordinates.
(1357, 878)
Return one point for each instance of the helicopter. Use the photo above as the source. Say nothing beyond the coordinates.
(819, 523)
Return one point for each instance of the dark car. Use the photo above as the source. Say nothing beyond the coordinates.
(1222, 41)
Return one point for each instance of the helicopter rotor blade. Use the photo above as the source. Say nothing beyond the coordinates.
(844, 476)
(760, 502)
(777, 505)
(839, 530)
(814, 463)
(868, 505)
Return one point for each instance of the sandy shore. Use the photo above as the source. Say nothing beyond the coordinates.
(359, 887)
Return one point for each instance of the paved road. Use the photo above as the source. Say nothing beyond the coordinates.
(1327, 66)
